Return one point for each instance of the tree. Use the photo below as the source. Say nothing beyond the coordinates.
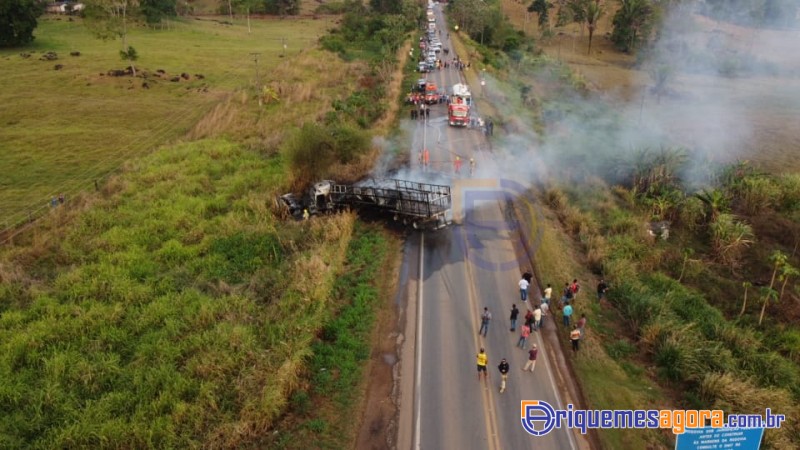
(716, 202)
(633, 23)
(746, 285)
(18, 20)
(541, 8)
(130, 55)
(282, 7)
(108, 19)
(155, 10)
(577, 10)
(594, 11)
(778, 260)
(662, 74)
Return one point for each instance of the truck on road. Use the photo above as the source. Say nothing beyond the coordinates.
(459, 108)
(420, 205)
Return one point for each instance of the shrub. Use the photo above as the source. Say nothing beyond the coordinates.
(789, 192)
(729, 238)
(692, 213)
(620, 349)
(757, 193)
(310, 152)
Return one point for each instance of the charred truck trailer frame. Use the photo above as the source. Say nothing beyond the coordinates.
(420, 205)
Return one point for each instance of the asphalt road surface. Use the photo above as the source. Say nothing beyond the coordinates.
(454, 274)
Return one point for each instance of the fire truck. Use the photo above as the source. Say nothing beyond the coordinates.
(431, 93)
(460, 102)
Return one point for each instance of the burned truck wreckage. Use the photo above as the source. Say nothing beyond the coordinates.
(420, 205)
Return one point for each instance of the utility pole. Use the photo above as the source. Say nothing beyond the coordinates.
(283, 50)
(255, 59)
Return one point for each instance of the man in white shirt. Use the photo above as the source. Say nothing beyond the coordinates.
(537, 318)
(523, 289)
(545, 307)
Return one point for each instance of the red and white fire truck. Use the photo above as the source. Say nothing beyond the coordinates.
(460, 103)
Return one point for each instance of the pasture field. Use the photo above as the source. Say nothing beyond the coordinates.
(62, 129)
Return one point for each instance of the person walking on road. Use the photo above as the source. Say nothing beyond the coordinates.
(575, 338)
(514, 314)
(426, 158)
(457, 164)
(537, 318)
(523, 289)
(483, 360)
(485, 318)
(471, 166)
(523, 336)
(567, 314)
(503, 368)
(532, 354)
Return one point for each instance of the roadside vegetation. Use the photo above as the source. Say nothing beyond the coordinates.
(334, 381)
(703, 316)
(173, 304)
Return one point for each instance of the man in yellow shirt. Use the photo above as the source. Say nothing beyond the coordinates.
(483, 360)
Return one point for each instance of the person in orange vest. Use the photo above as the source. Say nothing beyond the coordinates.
(457, 164)
(426, 158)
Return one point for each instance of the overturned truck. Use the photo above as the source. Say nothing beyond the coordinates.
(420, 205)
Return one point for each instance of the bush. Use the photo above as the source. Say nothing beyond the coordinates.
(312, 150)
(620, 349)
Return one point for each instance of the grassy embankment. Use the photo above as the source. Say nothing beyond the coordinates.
(173, 308)
(63, 129)
(172, 311)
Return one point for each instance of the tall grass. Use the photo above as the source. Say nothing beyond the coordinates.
(176, 312)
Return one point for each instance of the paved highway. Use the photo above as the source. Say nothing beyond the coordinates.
(454, 274)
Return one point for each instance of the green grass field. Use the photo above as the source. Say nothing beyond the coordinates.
(62, 129)
(172, 311)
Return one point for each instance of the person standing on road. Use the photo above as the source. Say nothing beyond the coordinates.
(545, 307)
(523, 336)
(457, 164)
(503, 368)
(483, 360)
(523, 290)
(567, 314)
(532, 354)
(575, 338)
(485, 318)
(514, 315)
(537, 318)
(548, 293)
(471, 166)
(602, 288)
(426, 156)
(529, 319)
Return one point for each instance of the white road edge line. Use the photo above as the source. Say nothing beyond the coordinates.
(418, 346)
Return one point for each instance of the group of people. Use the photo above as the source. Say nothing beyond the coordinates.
(422, 111)
(534, 320)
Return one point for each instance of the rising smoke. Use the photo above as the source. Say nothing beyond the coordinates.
(722, 89)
